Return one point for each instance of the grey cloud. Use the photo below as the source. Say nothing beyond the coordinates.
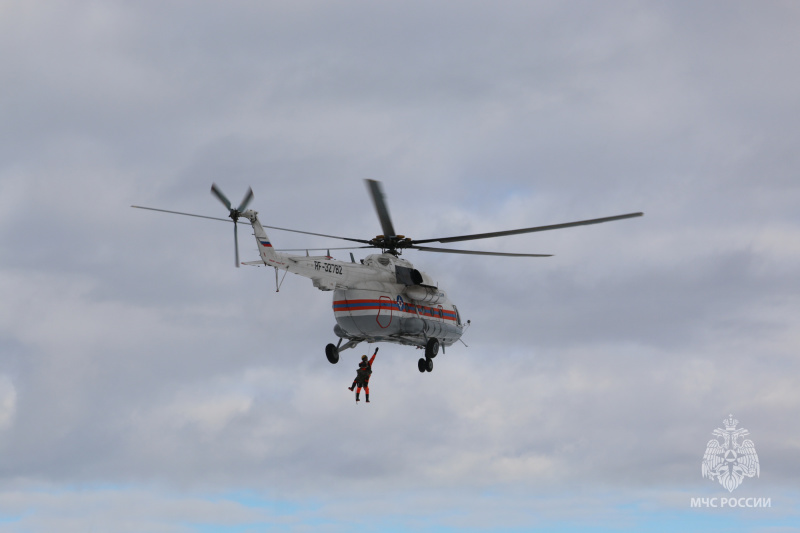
(137, 356)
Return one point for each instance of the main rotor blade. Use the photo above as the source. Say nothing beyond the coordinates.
(236, 243)
(315, 249)
(378, 198)
(187, 214)
(246, 200)
(362, 241)
(222, 198)
(528, 230)
(473, 252)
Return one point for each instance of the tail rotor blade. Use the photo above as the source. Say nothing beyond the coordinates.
(245, 200)
(236, 242)
(221, 197)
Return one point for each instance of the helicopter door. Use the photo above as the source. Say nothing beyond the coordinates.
(385, 306)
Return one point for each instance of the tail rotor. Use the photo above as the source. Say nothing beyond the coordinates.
(234, 214)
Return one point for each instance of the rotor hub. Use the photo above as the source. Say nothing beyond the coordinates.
(391, 243)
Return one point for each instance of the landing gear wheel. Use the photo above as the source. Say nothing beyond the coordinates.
(429, 365)
(432, 348)
(332, 354)
(422, 365)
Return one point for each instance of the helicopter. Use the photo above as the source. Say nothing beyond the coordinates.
(383, 297)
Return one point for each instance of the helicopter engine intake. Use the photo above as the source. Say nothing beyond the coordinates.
(408, 276)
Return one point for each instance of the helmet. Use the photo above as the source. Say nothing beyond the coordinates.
(363, 357)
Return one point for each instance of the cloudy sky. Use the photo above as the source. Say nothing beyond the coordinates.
(146, 385)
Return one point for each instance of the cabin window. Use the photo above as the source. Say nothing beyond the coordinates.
(458, 317)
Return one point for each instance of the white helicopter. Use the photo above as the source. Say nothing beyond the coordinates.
(382, 298)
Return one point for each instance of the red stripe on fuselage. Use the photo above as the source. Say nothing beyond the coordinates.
(376, 305)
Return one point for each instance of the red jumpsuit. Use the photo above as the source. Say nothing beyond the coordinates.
(362, 378)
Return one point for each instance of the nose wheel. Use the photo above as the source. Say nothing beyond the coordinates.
(431, 351)
(425, 365)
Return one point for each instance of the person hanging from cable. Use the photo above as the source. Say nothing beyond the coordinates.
(362, 376)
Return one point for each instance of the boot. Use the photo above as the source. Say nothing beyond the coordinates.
(367, 397)
(357, 400)
(351, 388)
